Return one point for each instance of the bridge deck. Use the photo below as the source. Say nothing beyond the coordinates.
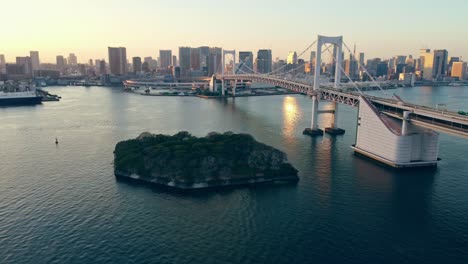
(445, 121)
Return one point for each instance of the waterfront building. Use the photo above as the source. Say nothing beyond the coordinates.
(195, 59)
(136, 63)
(185, 61)
(72, 59)
(427, 63)
(440, 64)
(459, 70)
(102, 67)
(27, 65)
(204, 56)
(35, 63)
(165, 58)
(264, 61)
(2, 63)
(118, 60)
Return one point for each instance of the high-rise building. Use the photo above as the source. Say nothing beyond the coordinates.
(401, 59)
(215, 61)
(34, 60)
(174, 60)
(292, 57)
(72, 59)
(102, 67)
(60, 61)
(459, 70)
(195, 59)
(204, 56)
(351, 67)
(184, 61)
(427, 63)
(2, 63)
(361, 58)
(136, 62)
(440, 64)
(27, 65)
(118, 60)
(246, 61)
(264, 61)
(165, 58)
(382, 69)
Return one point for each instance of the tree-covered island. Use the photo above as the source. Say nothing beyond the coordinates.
(187, 162)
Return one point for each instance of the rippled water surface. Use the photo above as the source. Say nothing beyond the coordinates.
(62, 204)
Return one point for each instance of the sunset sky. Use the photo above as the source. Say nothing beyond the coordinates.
(88, 27)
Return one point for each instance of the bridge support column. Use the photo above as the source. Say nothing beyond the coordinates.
(234, 88)
(334, 130)
(223, 87)
(381, 138)
(314, 130)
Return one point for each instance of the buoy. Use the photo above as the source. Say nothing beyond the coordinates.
(56, 141)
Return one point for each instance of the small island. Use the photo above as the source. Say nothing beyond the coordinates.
(186, 162)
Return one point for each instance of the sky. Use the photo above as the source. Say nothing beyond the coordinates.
(87, 27)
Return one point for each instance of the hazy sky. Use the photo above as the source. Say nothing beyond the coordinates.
(88, 27)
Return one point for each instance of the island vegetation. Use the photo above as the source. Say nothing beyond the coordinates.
(188, 162)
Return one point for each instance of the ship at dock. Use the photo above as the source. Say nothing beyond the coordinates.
(17, 94)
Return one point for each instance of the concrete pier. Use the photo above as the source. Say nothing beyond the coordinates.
(393, 142)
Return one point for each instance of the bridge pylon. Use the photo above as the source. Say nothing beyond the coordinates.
(223, 68)
(338, 43)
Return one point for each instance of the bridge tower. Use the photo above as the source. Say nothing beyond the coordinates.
(338, 43)
(223, 69)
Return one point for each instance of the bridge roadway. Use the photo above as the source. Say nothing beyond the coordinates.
(443, 121)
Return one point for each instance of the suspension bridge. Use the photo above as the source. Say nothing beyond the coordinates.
(389, 130)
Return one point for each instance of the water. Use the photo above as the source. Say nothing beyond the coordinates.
(62, 204)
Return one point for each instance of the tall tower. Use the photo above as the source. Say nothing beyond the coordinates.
(118, 60)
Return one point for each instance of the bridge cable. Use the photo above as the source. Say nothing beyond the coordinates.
(298, 56)
(341, 68)
(365, 70)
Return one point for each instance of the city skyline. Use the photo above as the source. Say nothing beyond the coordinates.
(143, 33)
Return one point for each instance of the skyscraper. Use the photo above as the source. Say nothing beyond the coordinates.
(195, 59)
(60, 61)
(136, 61)
(118, 60)
(25, 62)
(246, 61)
(459, 70)
(34, 60)
(72, 59)
(427, 62)
(204, 56)
(102, 67)
(440, 64)
(264, 61)
(361, 58)
(292, 58)
(174, 60)
(165, 58)
(184, 61)
(215, 61)
(2, 63)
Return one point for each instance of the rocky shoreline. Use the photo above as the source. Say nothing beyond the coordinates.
(134, 178)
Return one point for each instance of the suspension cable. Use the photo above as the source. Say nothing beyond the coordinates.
(365, 70)
(341, 68)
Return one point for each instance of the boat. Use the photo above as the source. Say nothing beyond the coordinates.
(463, 113)
(19, 98)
